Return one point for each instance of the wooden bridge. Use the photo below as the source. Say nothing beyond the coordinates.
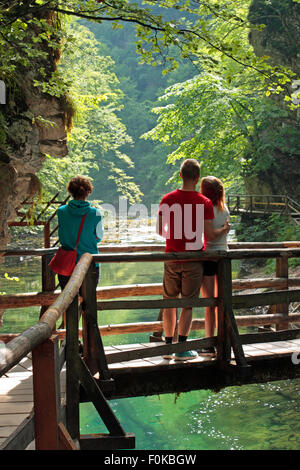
(260, 205)
(40, 213)
(45, 360)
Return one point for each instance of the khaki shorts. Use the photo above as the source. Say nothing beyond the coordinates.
(182, 278)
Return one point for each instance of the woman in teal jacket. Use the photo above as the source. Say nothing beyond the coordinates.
(69, 220)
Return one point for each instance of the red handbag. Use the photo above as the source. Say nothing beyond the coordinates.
(63, 262)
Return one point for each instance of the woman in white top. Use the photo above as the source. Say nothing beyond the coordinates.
(213, 189)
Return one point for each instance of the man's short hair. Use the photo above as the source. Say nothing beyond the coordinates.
(190, 169)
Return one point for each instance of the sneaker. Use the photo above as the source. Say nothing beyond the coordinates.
(210, 351)
(185, 356)
(168, 356)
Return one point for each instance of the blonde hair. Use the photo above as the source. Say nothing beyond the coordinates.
(213, 189)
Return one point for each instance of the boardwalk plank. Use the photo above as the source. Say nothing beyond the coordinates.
(15, 408)
(10, 384)
(6, 431)
(18, 368)
(21, 375)
(21, 397)
(117, 365)
(12, 419)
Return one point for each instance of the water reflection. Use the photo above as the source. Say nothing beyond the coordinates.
(261, 417)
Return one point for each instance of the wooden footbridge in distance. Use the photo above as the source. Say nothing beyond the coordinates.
(44, 376)
(261, 205)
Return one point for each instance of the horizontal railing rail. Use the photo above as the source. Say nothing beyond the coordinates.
(31, 299)
(112, 252)
(157, 247)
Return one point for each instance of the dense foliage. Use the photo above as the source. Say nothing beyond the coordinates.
(217, 106)
(229, 117)
(97, 135)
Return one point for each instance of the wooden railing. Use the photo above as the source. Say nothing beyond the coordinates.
(56, 423)
(261, 204)
(49, 294)
(32, 217)
(59, 427)
(226, 301)
(47, 423)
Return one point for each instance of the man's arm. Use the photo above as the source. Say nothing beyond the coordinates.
(210, 233)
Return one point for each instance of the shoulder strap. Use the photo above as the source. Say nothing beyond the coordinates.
(80, 229)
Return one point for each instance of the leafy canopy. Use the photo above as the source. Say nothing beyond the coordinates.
(187, 25)
(223, 116)
(98, 134)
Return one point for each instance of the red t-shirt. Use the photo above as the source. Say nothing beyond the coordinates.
(183, 214)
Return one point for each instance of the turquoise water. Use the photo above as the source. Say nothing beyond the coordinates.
(260, 417)
(256, 417)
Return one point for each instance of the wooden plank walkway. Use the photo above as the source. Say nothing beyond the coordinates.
(16, 398)
(258, 351)
(16, 388)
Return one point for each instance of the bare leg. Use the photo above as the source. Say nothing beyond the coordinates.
(185, 321)
(208, 290)
(169, 318)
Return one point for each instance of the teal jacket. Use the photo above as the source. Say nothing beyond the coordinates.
(69, 219)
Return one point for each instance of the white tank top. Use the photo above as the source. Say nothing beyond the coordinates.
(219, 243)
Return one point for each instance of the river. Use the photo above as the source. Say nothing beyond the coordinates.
(260, 417)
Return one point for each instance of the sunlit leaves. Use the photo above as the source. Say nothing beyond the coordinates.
(98, 134)
(231, 128)
(198, 30)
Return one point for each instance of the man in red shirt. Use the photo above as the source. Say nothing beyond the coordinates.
(185, 221)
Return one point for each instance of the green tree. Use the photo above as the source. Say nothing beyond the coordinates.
(141, 85)
(211, 34)
(98, 135)
(189, 26)
(224, 116)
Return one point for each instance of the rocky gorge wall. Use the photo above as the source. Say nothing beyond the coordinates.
(33, 124)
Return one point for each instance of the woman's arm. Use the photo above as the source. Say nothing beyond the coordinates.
(210, 233)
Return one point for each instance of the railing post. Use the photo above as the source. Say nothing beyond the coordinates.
(286, 205)
(72, 370)
(268, 206)
(47, 235)
(228, 334)
(46, 392)
(251, 204)
(282, 270)
(48, 278)
(224, 304)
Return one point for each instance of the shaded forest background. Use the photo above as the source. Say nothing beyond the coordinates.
(225, 117)
(142, 85)
(221, 86)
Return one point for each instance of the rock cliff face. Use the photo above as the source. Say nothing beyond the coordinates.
(27, 139)
(280, 40)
